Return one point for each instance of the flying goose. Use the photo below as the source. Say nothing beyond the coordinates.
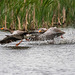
(20, 35)
(50, 34)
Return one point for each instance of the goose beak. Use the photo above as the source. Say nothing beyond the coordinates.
(1, 28)
(40, 31)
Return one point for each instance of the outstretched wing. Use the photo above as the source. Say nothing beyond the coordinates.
(14, 37)
(9, 39)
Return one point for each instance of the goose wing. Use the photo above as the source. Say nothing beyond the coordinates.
(50, 34)
(14, 37)
(9, 39)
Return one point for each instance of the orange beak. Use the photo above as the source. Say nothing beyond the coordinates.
(39, 31)
(1, 28)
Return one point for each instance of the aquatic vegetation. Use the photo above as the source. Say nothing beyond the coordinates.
(31, 14)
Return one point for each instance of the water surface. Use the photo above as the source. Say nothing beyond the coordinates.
(39, 58)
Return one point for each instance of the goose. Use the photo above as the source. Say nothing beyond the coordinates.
(50, 34)
(20, 35)
(41, 34)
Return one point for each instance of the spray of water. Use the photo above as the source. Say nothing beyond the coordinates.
(69, 37)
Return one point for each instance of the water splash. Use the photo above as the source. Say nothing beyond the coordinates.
(69, 37)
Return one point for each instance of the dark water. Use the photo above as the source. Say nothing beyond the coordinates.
(39, 58)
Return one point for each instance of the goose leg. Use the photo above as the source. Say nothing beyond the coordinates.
(27, 39)
(19, 43)
(62, 37)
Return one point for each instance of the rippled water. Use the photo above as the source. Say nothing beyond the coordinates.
(39, 58)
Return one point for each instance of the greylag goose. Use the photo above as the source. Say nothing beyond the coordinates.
(19, 35)
(41, 34)
(50, 34)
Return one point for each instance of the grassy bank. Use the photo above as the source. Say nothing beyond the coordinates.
(32, 14)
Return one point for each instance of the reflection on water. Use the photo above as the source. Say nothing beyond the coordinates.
(39, 58)
(16, 48)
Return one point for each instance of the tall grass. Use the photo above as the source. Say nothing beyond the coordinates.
(39, 13)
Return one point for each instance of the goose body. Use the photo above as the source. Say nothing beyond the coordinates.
(17, 35)
(50, 34)
(41, 34)
(13, 37)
